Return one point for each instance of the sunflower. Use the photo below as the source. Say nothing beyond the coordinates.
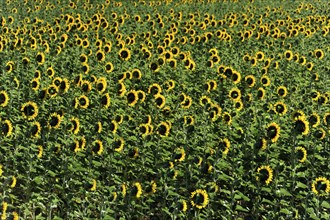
(132, 97)
(288, 55)
(154, 89)
(280, 108)
(301, 125)
(109, 67)
(40, 58)
(321, 186)
(93, 185)
(265, 80)
(85, 68)
(13, 182)
(224, 146)
(119, 144)
(52, 91)
(260, 56)
(50, 72)
(189, 120)
(235, 94)
(204, 100)
(105, 100)
(86, 86)
(7, 128)
(83, 101)
(326, 119)
(4, 98)
(75, 125)
(40, 151)
(113, 126)
(137, 190)
(54, 121)
(30, 110)
(261, 93)
(187, 102)
(282, 91)
(303, 152)
(319, 54)
(97, 147)
(226, 117)
(309, 66)
(124, 54)
(101, 84)
(265, 173)
(35, 129)
(133, 153)
(100, 56)
(314, 120)
(179, 157)
(320, 133)
(273, 132)
(160, 100)
(35, 84)
(199, 198)
(64, 86)
(136, 73)
(163, 129)
(250, 80)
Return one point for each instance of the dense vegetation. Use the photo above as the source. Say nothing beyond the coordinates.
(164, 109)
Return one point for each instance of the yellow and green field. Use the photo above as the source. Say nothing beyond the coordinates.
(175, 109)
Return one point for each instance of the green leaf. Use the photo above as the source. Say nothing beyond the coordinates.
(325, 204)
(265, 189)
(267, 201)
(38, 180)
(285, 211)
(284, 192)
(241, 208)
(301, 185)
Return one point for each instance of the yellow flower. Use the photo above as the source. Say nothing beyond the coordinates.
(304, 151)
(13, 182)
(123, 189)
(30, 110)
(4, 98)
(324, 181)
(93, 188)
(195, 202)
(40, 151)
(120, 146)
(273, 131)
(269, 174)
(138, 188)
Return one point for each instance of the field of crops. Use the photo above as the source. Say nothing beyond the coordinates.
(164, 109)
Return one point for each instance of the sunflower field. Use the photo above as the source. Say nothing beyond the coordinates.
(168, 109)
